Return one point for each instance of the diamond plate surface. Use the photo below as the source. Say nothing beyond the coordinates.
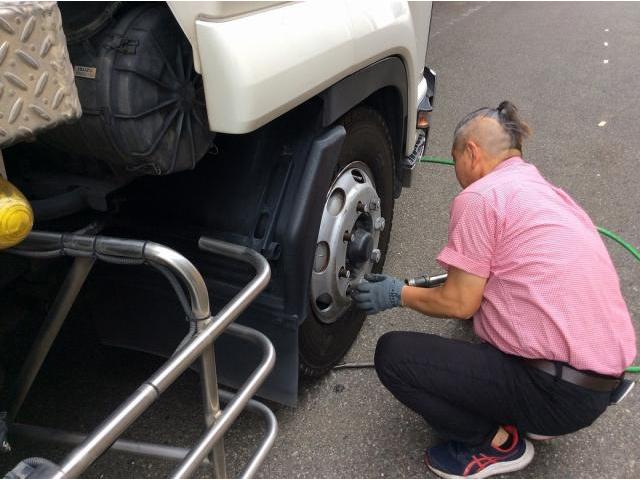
(37, 88)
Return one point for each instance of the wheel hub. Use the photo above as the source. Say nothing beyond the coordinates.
(360, 246)
(347, 245)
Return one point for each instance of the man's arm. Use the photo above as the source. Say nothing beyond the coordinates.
(459, 297)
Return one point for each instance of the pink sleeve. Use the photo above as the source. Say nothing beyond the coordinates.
(471, 236)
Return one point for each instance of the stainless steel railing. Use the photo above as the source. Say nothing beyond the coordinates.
(198, 345)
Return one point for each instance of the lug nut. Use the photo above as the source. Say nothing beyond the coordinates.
(374, 204)
(362, 208)
(379, 224)
(344, 273)
(346, 236)
(375, 255)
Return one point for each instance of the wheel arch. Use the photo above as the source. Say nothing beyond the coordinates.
(383, 86)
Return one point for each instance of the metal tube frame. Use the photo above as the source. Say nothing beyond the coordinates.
(166, 452)
(198, 346)
(53, 322)
(206, 442)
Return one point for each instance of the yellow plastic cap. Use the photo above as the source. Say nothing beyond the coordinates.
(16, 216)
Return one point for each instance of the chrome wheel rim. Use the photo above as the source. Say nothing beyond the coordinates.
(348, 239)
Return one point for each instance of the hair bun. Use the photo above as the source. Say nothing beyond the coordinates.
(510, 121)
(507, 109)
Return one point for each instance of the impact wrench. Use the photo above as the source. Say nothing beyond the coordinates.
(423, 281)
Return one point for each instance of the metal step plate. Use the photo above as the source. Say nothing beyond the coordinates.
(37, 88)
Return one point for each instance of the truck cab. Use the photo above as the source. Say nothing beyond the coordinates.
(288, 128)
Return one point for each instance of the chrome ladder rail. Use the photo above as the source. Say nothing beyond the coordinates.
(196, 346)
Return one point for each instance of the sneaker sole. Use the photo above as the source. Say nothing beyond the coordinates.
(539, 438)
(497, 468)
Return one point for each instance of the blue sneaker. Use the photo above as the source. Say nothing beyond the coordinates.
(457, 460)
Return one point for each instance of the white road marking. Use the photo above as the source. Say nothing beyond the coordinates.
(602, 123)
(463, 15)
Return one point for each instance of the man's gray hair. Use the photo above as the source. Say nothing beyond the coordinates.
(506, 115)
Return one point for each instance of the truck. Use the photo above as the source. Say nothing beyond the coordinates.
(286, 128)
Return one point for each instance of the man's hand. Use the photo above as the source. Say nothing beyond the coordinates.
(377, 293)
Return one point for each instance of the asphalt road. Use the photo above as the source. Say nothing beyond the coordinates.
(549, 59)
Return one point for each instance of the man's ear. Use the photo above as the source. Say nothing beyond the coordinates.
(474, 154)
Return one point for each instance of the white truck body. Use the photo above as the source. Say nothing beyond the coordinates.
(259, 60)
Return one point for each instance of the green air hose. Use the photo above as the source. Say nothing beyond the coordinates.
(442, 161)
(603, 231)
(634, 251)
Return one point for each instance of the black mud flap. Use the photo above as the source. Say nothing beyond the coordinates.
(146, 316)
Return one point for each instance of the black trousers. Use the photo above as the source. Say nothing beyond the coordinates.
(465, 391)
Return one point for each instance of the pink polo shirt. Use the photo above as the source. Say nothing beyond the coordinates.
(552, 291)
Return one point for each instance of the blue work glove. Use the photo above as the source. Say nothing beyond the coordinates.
(377, 292)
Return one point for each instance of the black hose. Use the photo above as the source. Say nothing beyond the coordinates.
(119, 260)
(188, 337)
(354, 365)
(36, 461)
(61, 205)
(37, 254)
(184, 302)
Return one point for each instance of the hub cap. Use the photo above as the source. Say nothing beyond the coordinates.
(348, 240)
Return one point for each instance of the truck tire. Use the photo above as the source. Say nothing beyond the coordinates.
(325, 338)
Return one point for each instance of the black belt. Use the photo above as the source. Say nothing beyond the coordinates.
(592, 381)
